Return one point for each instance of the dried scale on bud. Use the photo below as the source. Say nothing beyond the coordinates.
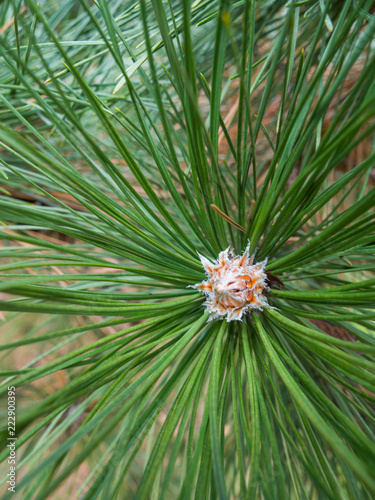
(235, 285)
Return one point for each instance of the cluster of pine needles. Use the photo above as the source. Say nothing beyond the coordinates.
(133, 136)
